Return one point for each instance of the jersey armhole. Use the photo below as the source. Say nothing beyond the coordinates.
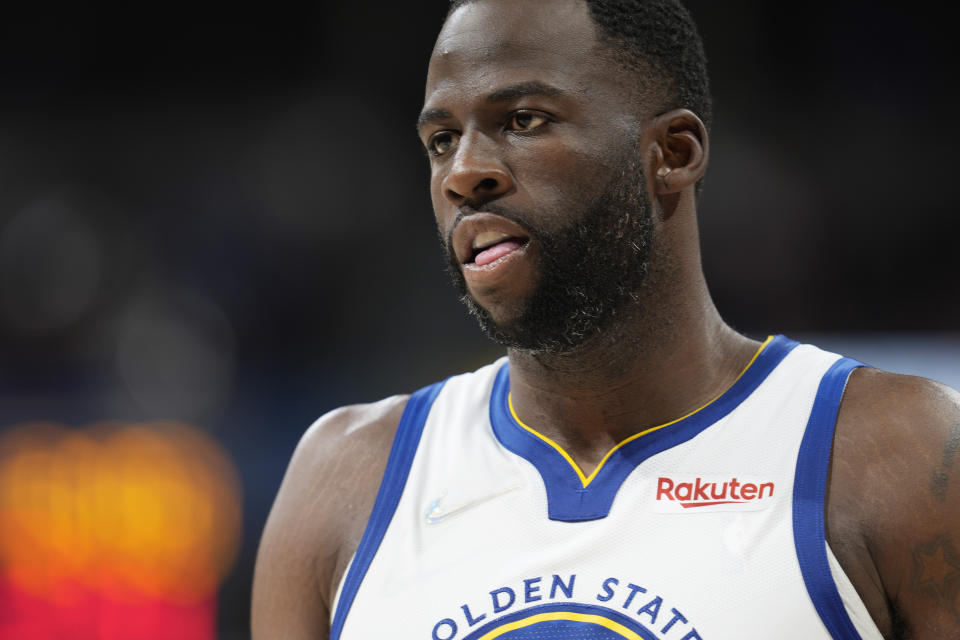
(404, 448)
(809, 493)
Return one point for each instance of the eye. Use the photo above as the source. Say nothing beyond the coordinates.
(442, 141)
(526, 121)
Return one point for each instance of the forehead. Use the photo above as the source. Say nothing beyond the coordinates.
(487, 43)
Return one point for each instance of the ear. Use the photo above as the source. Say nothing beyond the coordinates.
(680, 151)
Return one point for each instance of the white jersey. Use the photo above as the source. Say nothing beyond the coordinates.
(710, 527)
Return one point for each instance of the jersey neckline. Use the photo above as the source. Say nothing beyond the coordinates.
(573, 496)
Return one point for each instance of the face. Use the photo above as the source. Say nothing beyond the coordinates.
(536, 180)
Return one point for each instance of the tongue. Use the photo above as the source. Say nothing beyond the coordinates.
(496, 251)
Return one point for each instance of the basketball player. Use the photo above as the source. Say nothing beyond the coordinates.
(633, 468)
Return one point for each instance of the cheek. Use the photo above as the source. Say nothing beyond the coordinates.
(560, 183)
(436, 185)
(441, 207)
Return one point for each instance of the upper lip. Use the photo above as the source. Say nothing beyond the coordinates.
(467, 240)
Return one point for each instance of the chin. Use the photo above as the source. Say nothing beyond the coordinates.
(516, 333)
(500, 323)
(501, 327)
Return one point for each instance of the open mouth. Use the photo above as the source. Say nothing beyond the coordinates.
(490, 246)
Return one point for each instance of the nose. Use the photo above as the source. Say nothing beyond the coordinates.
(477, 174)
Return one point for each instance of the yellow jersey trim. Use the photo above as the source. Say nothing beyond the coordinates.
(567, 616)
(585, 480)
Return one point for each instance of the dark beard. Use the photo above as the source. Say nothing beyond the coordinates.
(590, 271)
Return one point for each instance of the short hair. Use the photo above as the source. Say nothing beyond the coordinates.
(658, 37)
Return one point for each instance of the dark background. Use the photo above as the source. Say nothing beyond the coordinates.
(220, 214)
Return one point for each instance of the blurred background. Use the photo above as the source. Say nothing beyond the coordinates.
(215, 227)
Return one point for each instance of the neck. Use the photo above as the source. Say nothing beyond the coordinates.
(671, 356)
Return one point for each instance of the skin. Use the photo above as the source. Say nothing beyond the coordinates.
(893, 494)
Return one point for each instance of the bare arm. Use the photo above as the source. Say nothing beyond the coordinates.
(893, 511)
(318, 518)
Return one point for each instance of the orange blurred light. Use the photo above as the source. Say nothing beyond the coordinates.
(129, 517)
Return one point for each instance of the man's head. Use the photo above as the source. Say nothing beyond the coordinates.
(548, 133)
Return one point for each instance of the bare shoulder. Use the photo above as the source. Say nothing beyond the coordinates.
(318, 518)
(893, 504)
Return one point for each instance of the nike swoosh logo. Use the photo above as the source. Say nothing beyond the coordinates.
(437, 513)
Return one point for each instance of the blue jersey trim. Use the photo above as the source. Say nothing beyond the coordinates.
(404, 448)
(567, 497)
(809, 491)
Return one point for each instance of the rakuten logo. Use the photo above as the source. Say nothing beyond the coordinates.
(677, 494)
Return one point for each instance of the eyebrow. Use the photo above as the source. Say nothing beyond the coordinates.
(514, 91)
(511, 92)
(432, 115)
